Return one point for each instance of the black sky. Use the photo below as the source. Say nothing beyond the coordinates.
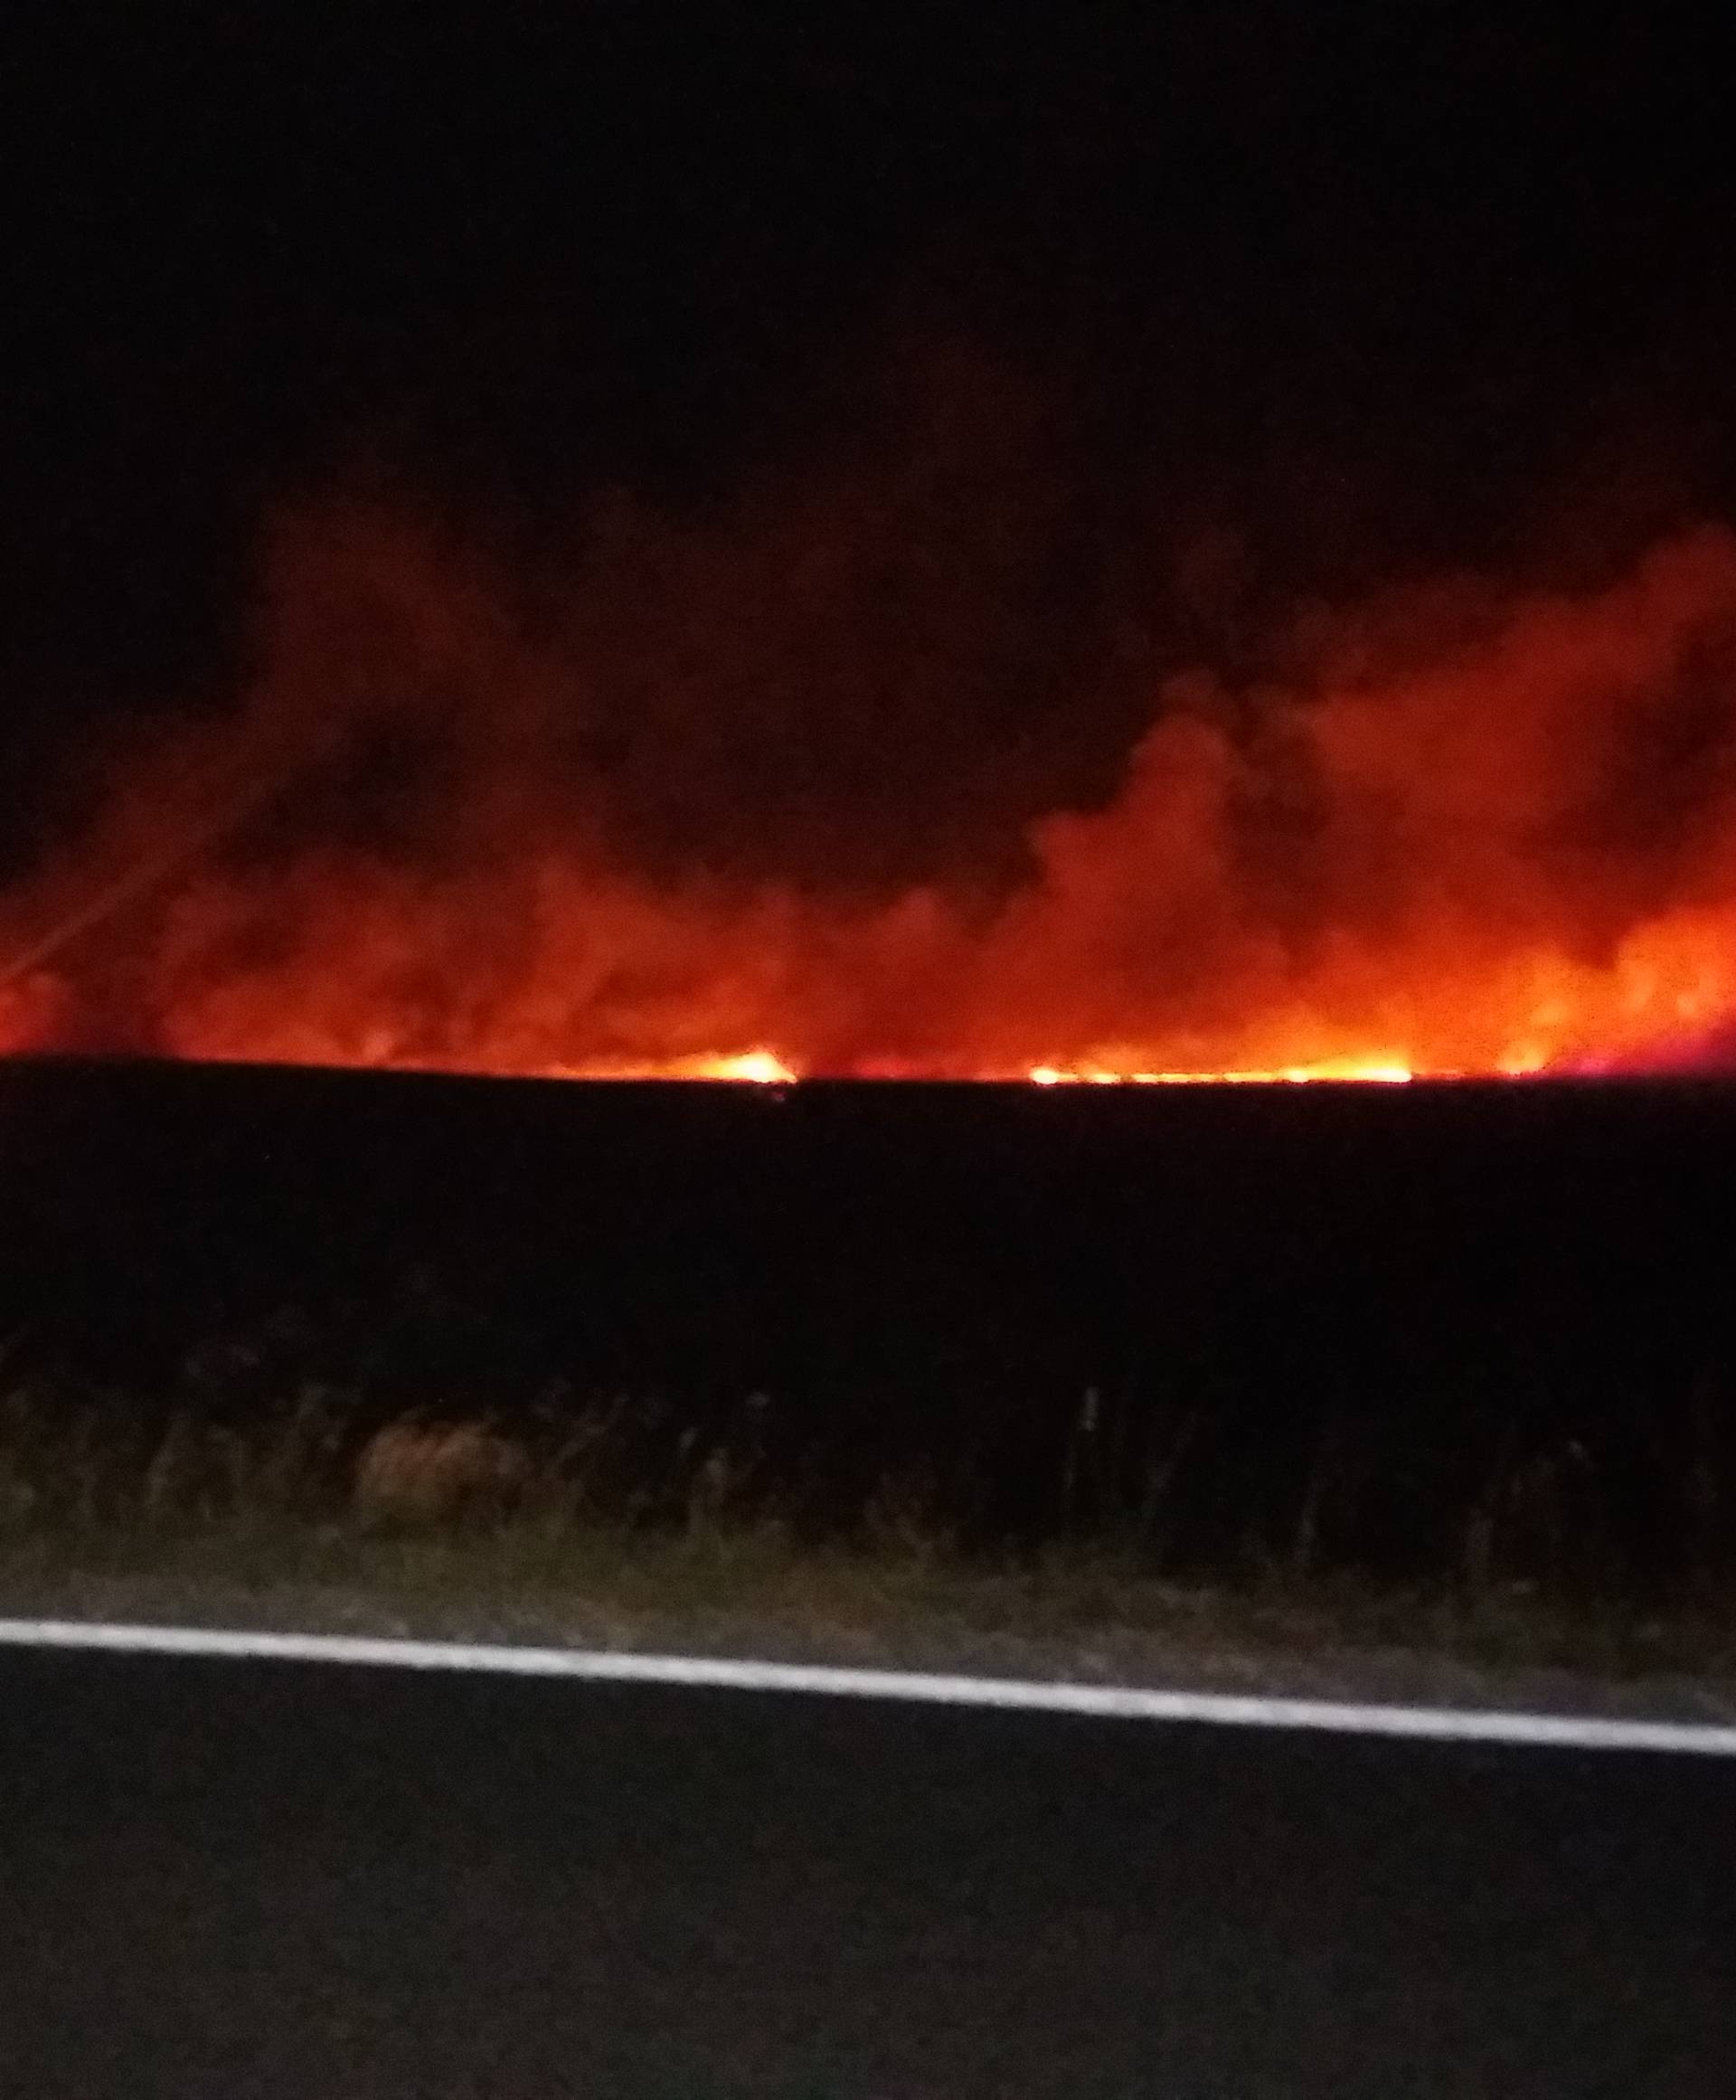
(1373, 287)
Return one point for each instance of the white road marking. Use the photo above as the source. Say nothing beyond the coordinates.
(1110, 1702)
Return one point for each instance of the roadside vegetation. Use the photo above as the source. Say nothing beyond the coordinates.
(609, 1521)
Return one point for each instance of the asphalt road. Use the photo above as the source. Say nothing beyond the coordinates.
(280, 1882)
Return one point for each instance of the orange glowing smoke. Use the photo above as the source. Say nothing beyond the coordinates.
(1499, 842)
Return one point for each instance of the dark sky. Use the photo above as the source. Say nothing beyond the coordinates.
(1372, 285)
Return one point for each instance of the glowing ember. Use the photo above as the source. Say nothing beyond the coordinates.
(1507, 848)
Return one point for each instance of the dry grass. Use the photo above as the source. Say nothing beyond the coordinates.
(464, 1528)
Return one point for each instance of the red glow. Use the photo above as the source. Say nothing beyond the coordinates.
(1507, 849)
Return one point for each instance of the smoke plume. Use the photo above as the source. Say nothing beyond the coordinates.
(869, 771)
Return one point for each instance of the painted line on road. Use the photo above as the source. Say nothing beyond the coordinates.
(1016, 1695)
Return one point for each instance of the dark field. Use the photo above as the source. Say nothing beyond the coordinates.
(1461, 1330)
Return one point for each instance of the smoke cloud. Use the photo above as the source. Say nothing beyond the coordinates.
(867, 769)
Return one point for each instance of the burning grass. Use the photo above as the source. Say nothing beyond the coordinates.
(560, 1526)
(1472, 830)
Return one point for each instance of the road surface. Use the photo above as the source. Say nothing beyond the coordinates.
(300, 1881)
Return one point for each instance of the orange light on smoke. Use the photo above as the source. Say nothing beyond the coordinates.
(1504, 849)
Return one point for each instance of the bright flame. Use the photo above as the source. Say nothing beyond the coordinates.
(759, 1066)
(1354, 1070)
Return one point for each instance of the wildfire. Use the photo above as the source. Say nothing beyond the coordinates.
(1506, 851)
(1353, 1071)
(749, 1067)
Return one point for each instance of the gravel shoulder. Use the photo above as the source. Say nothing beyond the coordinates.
(1511, 1655)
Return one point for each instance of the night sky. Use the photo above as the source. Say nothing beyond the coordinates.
(1271, 302)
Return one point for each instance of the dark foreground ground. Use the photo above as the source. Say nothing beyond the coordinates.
(299, 1881)
(1479, 1333)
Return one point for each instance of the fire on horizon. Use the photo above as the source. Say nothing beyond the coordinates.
(1502, 842)
(1189, 546)
(1141, 547)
